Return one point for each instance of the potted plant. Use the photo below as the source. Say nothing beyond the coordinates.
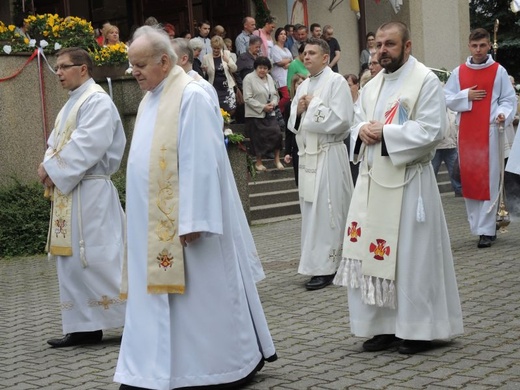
(60, 32)
(110, 61)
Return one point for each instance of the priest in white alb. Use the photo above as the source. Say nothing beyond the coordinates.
(194, 316)
(321, 115)
(397, 260)
(87, 224)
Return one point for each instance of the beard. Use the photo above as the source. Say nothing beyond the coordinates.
(395, 62)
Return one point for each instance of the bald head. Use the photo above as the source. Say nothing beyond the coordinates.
(158, 41)
(152, 57)
(249, 24)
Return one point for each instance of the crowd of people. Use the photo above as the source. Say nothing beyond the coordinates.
(191, 312)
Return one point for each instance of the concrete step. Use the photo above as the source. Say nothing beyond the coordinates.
(443, 176)
(276, 219)
(444, 186)
(273, 197)
(275, 210)
(258, 187)
(273, 173)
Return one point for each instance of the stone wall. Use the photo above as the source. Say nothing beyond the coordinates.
(21, 119)
(22, 131)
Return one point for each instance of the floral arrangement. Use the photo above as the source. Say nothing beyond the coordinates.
(238, 139)
(76, 32)
(112, 54)
(9, 35)
(51, 32)
(233, 138)
(44, 26)
(225, 116)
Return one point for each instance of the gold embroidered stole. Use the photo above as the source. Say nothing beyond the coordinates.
(59, 237)
(372, 228)
(165, 260)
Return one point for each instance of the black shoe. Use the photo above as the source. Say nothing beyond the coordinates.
(381, 342)
(128, 387)
(411, 347)
(318, 282)
(486, 241)
(76, 338)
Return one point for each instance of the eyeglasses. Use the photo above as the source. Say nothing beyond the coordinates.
(65, 67)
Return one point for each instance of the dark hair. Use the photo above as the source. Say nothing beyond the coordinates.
(184, 33)
(370, 34)
(478, 34)
(354, 78)
(403, 29)
(278, 32)
(19, 20)
(203, 22)
(244, 21)
(288, 26)
(314, 25)
(254, 39)
(301, 27)
(301, 48)
(262, 61)
(78, 56)
(269, 20)
(324, 46)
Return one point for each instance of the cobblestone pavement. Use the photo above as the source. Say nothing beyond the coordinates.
(310, 329)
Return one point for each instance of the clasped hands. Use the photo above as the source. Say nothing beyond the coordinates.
(269, 107)
(303, 104)
(44, 177)
(371, 132)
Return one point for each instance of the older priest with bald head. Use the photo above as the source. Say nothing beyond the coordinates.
(194, 316)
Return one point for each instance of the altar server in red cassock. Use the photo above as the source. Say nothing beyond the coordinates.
(480, 91)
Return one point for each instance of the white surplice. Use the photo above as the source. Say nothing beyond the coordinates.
(329, 116)
(216, 332)
(89, 296)
(482, 214)
(428, 305)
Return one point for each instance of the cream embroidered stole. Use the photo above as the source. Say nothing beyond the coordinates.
(372, 228)
(165, 260)
(59, 240)
(308, 151)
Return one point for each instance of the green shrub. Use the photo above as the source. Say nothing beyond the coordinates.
(119, 180)
(24, 219)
